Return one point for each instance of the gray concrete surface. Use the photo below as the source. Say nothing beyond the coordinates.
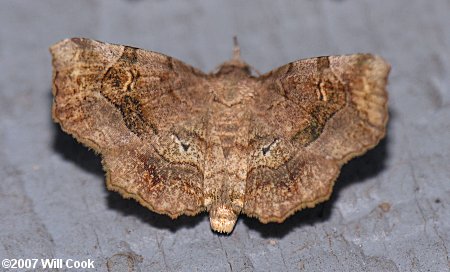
(390, 210)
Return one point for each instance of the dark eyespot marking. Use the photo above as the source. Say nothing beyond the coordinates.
(266, 149)
(185, 146)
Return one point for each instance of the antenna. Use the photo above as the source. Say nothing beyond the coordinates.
(236, 50)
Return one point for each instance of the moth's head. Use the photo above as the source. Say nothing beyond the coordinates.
(236, 65)
(233, 67)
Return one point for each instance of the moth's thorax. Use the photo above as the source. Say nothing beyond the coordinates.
(233, 89)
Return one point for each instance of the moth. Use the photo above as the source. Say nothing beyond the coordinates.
(180, 141)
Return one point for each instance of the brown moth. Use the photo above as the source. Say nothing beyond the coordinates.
(181, 142)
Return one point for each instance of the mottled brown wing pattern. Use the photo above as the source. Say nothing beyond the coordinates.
(115, 99)
(180, 141)
(321, 112)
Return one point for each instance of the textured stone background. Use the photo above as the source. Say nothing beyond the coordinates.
(390, 210)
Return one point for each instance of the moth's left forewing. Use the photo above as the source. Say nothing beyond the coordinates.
(122, 101)
(78, 68)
